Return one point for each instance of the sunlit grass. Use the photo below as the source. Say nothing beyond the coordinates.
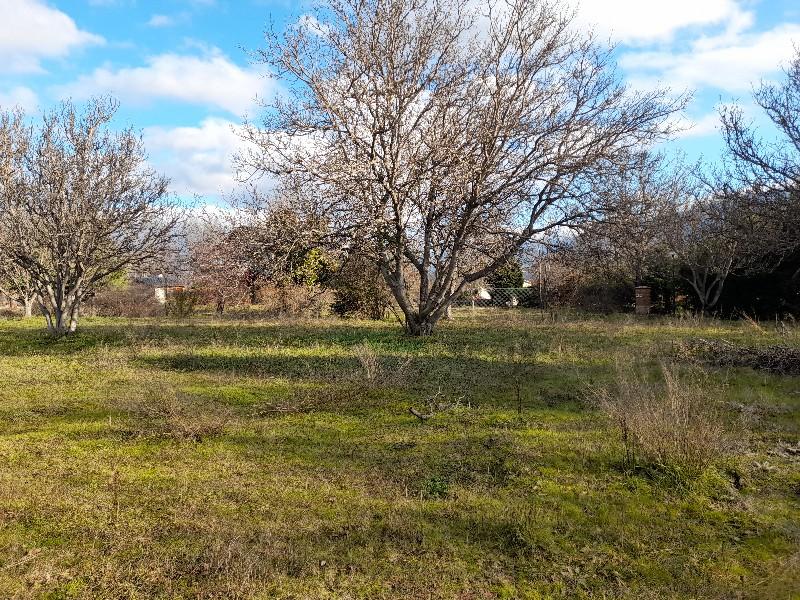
(256, 459)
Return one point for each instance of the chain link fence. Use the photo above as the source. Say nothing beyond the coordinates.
(488, 297)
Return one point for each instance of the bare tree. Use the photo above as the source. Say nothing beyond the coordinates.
(749, 219)
(80, 205)
(755, 162)
(700, 237)
(442, 138)
(217, 272)
(764, 175)
(718, 236)
(273, 233)
(15, 282)
(640, 199)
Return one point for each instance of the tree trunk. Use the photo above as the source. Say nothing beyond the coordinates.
(73, 315)
(419, 326)
(61, 321)
(61, 316)
(448, 314)
(418, 321)
(27, 305)
(708, 294)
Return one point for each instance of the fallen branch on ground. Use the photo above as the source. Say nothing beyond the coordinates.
(781, 360)
(419, 415)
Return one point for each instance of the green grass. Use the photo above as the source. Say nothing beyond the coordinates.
(255, 459)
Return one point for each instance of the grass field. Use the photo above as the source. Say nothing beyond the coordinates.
(261, 459)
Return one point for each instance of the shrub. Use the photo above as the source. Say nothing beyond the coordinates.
(182, 304)
(126, 301)
(778, 359)
(604, 296)
(7, 312)
(671, 424)
(314, 270)
(295, 300)
(360, 290)
(377, 371)
(169, 412)
(435, 488)
(370, 362)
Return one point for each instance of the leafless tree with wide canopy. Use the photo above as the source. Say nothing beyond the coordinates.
(640, 203)
(762, 175)
(78, 204)
(444, 138)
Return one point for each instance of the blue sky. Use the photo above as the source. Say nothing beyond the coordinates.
(181, 72)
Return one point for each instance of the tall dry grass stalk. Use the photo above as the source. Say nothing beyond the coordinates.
(376, 370)
(672, 424)
(169, 412)
(370, 362)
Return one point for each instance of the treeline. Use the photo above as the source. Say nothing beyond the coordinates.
(699, 244)
(418, 149)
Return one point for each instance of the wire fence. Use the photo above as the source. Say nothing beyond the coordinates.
(488, 297)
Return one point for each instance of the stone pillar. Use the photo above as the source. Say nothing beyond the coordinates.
(643, 301)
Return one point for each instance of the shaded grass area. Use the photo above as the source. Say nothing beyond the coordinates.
(250, 459)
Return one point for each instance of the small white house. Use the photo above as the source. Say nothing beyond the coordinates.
(162, 292)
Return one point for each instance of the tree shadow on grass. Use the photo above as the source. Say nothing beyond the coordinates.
(464, 378)
(492, 337)
(363, 499)
(16, 339)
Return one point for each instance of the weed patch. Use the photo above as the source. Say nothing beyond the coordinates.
(162, 410)
(672, 424)
(779, 359)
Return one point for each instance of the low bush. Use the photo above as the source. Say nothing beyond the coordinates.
(295, 300)
(6, 312)
(360, 291)
(169, 412)
(370, 362)
(604, 296)
(128, 301)
(434, 488)
(377, 371)
(778, 359)
(182, 304)
(671, 424)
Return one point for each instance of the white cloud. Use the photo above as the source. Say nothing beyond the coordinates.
(30, 31)
(211, 80)
(729, 63)
(647, 21)
(698, 127)
(20, 97)
(197, 159)
(161, 21)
